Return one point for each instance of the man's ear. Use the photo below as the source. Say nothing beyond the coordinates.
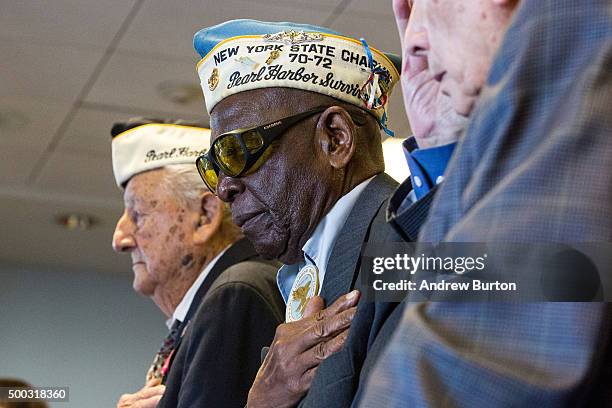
(336, 136)
(210, 218)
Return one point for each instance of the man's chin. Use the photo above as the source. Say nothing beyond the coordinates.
(268, 249)
(274, 247)
(142, 287)
(268, 238)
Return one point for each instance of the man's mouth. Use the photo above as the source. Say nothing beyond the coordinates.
(244, 220)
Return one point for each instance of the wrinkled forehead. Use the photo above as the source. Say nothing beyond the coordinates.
(255, 108)
(144, 186)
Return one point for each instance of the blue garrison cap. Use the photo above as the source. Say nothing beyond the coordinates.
(207, 38)
(242, 55)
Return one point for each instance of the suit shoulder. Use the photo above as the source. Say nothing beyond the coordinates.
(253, 276)
(252, 272)
(246, 285)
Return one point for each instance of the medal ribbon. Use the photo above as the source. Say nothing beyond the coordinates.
(375, 73)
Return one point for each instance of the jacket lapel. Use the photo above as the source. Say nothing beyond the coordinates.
(240, 251)
(342, 269)
(408, 223)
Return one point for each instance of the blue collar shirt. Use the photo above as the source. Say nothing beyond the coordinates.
(427, 167)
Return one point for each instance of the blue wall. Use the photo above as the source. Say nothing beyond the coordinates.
(85, 330)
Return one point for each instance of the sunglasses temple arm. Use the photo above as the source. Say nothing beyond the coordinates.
(270, 134)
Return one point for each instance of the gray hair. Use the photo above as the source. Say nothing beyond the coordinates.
(184, 183)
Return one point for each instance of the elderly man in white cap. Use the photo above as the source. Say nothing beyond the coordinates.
(192, 261)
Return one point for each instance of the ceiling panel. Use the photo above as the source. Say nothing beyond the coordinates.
(162, 27)
(45, 71)
(30, 122)
(133, 82)
(16, 164)
(378, 30)
(92, 23)
(376, 10)
(31, 236)
(78, 174)
(89, 132)
(273, 4)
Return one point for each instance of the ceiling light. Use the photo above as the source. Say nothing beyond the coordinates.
(76, 222)
(180, 92)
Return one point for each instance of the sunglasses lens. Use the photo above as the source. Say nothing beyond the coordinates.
(229, 154)
(208, 173)
(253, 141)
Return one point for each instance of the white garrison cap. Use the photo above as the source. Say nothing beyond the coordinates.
(154, 145)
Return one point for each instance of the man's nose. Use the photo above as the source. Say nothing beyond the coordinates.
(228, 188)
(123, 238)
(417, 43)
(416, 38)
(415, 52)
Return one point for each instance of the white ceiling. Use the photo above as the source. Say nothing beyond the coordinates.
(70, 68)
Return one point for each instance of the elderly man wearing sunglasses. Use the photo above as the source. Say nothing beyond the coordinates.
(296, 113)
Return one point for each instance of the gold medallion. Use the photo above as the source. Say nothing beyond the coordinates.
(213, 81)
(273, 55)
(305, 287)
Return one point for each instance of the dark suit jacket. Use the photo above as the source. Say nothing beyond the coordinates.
(235, 314)
(338, 377)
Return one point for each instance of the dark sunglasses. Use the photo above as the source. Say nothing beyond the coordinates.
(235, 152)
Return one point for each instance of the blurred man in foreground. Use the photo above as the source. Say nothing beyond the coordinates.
(192, 261)
(532, 167)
